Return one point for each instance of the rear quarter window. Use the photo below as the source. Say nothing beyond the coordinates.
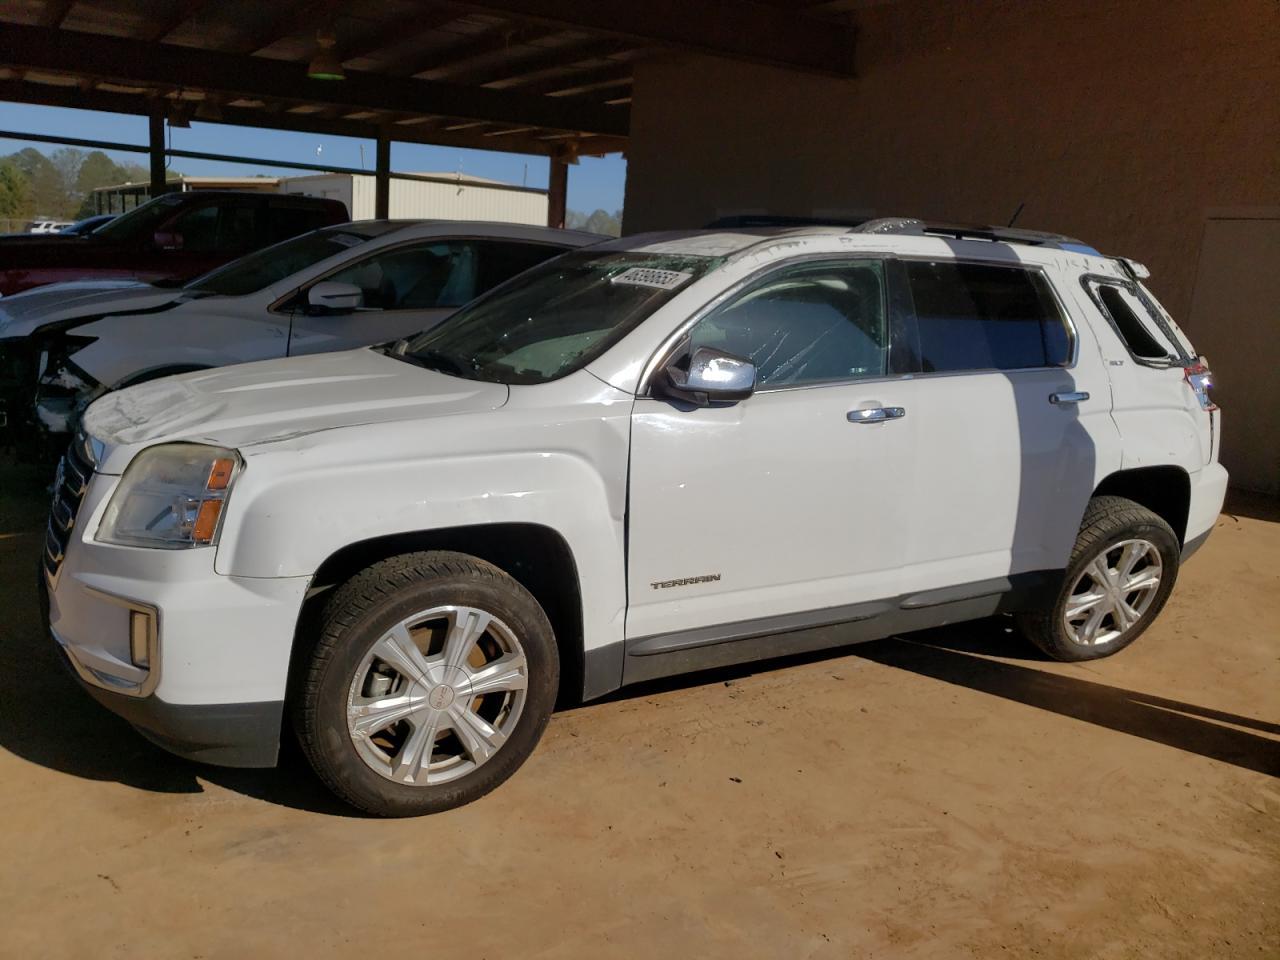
(984, 317)
(1132, 321)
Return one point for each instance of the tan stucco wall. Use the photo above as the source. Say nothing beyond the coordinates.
(1117, 121)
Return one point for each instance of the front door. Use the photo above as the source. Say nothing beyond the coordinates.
(787, 502)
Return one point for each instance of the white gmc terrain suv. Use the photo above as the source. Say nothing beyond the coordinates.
(655, 455)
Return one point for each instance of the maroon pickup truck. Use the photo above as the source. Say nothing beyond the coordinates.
(167, 240)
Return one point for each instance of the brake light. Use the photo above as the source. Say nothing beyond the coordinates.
(1200, 380)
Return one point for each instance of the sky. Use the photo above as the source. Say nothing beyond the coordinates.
(594, 183)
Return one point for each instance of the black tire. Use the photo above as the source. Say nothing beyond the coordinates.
(357, 616)
(1107, 521)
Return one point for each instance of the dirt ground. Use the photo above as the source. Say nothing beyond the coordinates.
(945, 794)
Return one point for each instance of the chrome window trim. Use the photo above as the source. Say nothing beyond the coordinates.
(1068, 319)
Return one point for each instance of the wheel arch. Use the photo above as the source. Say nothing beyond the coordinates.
(1164, 490)
(538, 557)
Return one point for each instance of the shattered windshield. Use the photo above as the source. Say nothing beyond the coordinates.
(555, 318)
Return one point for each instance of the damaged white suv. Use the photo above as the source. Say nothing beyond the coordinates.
(659, 454)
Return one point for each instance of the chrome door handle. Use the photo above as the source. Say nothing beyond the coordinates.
(1077, 396)
(875, 414)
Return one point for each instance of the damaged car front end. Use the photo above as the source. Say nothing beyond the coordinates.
(42, 390)
(63, 389)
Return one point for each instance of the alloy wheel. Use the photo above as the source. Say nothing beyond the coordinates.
(1113, 593)
(437, 695)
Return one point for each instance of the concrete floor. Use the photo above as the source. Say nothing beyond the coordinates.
(946, 794)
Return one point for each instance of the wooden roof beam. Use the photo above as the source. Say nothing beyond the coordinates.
(55, 11)
(395, 32)
(297, 18)
(269, 116)
(72, 53)
(179, 13)
(536, 66)
(738, 29)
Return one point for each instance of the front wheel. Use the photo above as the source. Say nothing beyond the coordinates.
(431, 683)
(1121, 572)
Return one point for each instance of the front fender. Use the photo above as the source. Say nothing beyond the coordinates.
(302, 502)
(127, 346)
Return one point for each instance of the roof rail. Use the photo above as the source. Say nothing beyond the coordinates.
(748, 221)
(904, 226)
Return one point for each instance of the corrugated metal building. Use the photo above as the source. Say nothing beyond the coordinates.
(438, 196)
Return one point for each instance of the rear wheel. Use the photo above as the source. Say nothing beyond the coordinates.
(1122, 571)
(431, 682)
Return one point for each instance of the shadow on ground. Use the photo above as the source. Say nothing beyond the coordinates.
(46, 719)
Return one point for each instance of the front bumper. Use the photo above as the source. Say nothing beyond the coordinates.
(225, 734)
(214, 687)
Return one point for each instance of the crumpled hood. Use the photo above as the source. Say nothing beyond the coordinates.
(23, 313)
(258, 402)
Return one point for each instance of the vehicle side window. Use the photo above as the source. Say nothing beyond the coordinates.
(808, 324)
(217, 227)
(198, 229)
(421, 276)
(984, 317)
(500, 260)
(1126, 312)
(238, 229)
(286, 220)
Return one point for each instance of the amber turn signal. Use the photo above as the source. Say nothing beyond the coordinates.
(206, 524)
(220, 473)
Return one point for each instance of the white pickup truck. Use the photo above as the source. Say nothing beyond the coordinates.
(655, 455)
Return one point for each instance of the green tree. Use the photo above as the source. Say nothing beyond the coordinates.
(97, 170)
(14, 199)
(609, 224)
(601, 222)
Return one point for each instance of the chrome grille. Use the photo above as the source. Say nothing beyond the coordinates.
(69, 486)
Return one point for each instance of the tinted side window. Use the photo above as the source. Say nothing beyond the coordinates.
(981, 317)
(289, 220)
(500, 260)
(198, 229)
(238, 229)
(810, 324)
(420, 276)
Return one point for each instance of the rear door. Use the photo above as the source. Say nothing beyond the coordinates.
(1012, 419)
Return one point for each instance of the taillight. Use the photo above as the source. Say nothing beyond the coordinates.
(1200, 380)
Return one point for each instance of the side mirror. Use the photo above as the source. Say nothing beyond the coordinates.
(167, 240)
(329, 296)
(713, 376)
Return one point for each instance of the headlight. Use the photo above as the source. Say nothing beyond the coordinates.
(171, 496)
